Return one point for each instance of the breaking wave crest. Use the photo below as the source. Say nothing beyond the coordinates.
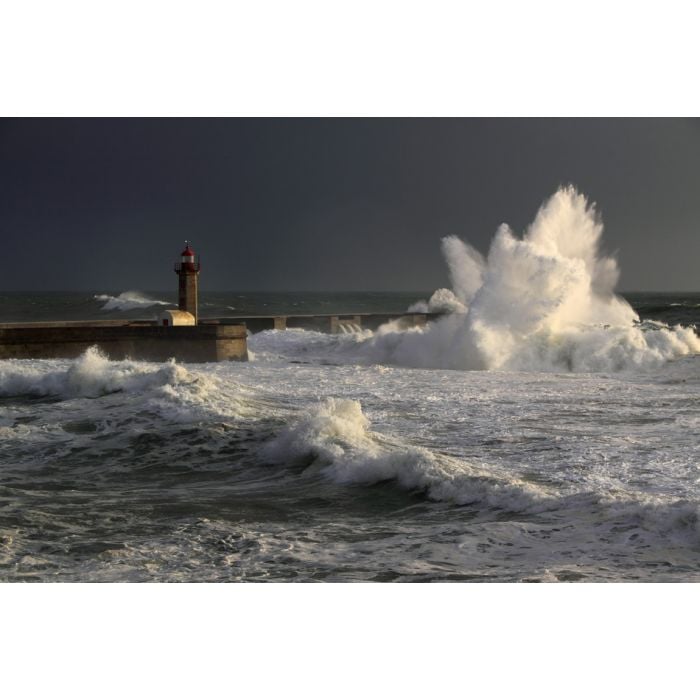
(335, 436)
(175, 393)
(127, 301)
(166, 391)
(91, 375)
(334, 440)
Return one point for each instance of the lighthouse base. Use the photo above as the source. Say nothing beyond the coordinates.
(120, 340)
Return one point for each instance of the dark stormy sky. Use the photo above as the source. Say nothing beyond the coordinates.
(329, 204)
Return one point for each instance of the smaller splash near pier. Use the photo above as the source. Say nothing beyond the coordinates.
(543, 301)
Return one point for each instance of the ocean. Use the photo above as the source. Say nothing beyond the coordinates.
(309, 463)
(545, 429)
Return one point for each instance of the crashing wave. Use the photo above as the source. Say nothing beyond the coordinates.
(335, 436)
(91, 375)
(541, 302)
(168, 389)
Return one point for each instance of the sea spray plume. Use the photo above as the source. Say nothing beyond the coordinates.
(548, 283)
(568, 230)
(544, 302)
(466, 268)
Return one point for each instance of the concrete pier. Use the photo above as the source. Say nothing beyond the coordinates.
(212, 340)
(124, 339)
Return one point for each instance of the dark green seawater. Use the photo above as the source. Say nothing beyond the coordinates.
(669, 307)
(73, 306)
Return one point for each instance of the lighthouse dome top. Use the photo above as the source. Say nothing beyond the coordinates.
(188, 251)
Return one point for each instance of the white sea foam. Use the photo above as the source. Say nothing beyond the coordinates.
(442, 301)
(335, 440)
(335, 435)
(167, 389)
(179, 392)
(91, 375)
(590, 475)
(301, 345)
(127, 301)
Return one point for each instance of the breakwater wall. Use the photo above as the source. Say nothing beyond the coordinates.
(122, 339)
(212, 340)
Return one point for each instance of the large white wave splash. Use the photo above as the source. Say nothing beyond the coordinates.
(543, 301)
(127, 301)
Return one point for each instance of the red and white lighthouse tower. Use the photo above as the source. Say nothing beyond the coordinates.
(188, 272)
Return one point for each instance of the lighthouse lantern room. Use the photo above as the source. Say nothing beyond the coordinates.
(188, 272)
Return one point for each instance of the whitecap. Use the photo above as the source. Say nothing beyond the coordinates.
(127, 301)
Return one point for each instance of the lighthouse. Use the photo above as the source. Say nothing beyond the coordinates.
(188, 272)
